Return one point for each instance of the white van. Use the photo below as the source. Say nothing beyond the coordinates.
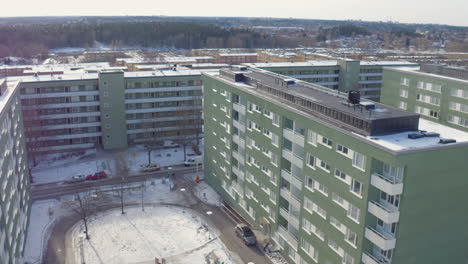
(196, 160)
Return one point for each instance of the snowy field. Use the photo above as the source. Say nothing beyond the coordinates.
(176, 234)
(66, 172)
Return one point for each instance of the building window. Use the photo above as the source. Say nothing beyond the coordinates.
(404, 93)
(404, 81)
(356, 187)
(403, 105)
(353, 212)
(312, 137)
(342, 149)
(359, 160)
(327, 141)
(310, 160)
(339, 174)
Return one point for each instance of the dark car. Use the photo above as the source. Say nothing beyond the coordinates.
(244, 232)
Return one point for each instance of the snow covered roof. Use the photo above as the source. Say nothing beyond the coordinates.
(7, 93)
(400, 141)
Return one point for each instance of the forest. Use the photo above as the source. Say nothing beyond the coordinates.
(25, 40)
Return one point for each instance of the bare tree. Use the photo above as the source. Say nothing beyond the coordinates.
(84, 205)
(122, 170)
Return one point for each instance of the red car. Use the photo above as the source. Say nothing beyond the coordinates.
(97, 176)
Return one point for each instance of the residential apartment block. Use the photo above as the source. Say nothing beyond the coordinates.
(110, 109)
(14, 176)
(437, 93)
(331, 178)
(343, 75)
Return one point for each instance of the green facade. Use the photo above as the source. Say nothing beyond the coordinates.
(15, 203)
(261, 198)
(446, 97)
(112, 108)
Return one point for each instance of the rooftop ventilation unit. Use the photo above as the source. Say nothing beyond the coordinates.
(447, 141)
(430, 134)
(368, 105)
(415, 135)
(354, 97)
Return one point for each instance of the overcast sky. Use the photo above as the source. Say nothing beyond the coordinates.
(452, 12)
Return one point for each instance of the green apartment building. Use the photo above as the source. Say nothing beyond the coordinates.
(330, 181)
(110, 109)
(14, 176)
(438, 93)
(342, 74)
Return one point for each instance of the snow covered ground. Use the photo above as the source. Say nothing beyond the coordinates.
(43, 213)
(66, 172)
(176, 234)
(206, 194)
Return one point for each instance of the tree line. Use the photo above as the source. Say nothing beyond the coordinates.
(27, 40)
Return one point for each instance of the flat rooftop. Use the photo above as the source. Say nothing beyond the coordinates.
(417, 71)
(400, 141)
(393, 140)
(332, 106)
(95, 76)
(330, 63)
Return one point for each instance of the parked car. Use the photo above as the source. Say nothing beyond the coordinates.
(150, 167)
(96, 176)
(197, 160)
(77, 178)
(244, 232)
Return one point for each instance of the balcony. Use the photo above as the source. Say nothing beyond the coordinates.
(239, 108)
(368, 258)
(380, 239)
(162, 99)
(288, 237)
(239, 141)
(163, 109)
(238, 188)
(239, 126)
(238, 157)
(288, 196)
(292, 179)
(390, 186)
(162, 89)
(386, 213)
(238, 172)
(293, 137)
(290, 218)
(60, 105)
(59, 94)
(287, 154)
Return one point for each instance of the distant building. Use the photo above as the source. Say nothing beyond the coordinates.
(334, 179)
(236, 58)
(15, 202)
(110, 109)
(438, 93)
(343, 75)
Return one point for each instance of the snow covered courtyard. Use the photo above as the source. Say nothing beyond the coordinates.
(176, 234)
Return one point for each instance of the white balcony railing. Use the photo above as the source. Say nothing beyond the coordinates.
(289, 238)
(293, 137)
(388, 214)
(239, 108)
(369, 258)
(239, 126)
(380, 239)
(390, 186)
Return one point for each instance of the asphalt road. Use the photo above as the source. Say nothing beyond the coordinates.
(57, 189)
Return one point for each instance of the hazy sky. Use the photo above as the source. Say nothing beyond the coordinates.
(453, 12)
